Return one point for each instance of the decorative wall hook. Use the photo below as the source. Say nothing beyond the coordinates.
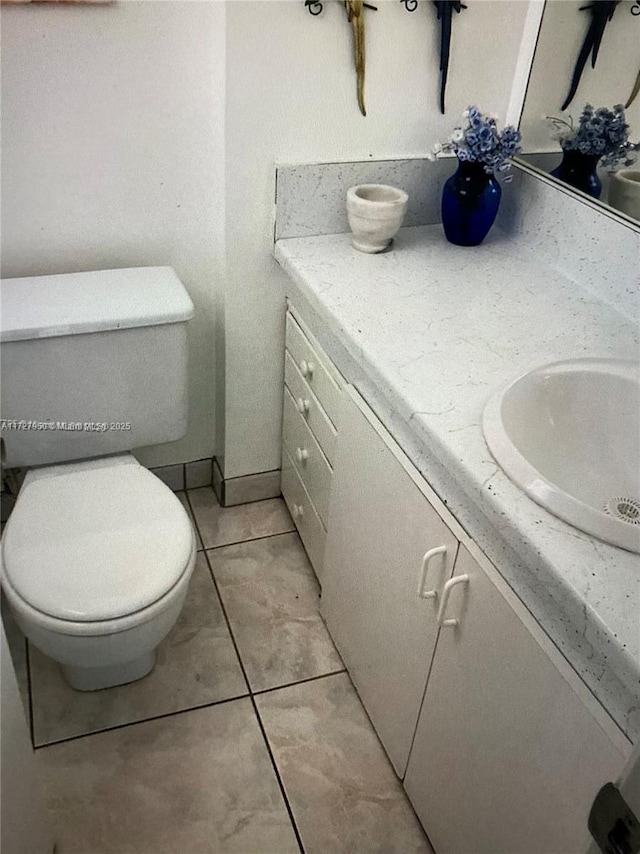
(355, 17)
(314, 7)
(601, 13)
(445, 10)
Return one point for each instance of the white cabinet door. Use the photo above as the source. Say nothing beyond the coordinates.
(381, 526)
(510, 748)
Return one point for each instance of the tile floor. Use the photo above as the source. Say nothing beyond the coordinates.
(248, 736)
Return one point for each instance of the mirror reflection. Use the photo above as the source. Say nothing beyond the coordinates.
(581, 117)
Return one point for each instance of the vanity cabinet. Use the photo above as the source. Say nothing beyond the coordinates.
(388, 556)
(506, 747)
(510, 748)
(311, 410)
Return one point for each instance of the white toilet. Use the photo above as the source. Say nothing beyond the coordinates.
(97, 554)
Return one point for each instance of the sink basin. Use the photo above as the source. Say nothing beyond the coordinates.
(568, 434)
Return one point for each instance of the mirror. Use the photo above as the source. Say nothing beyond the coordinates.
(571, 34)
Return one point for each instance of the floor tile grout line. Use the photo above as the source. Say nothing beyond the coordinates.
(236, 542)
(249, 693)
(285, 799)
(250, 540)
(278, 777)
(262, 691)
(255, 474)
(142, 721)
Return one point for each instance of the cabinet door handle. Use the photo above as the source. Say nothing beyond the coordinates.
(451, 583)
(297, 511)
(307, 369)
(302, 405)
(429, 594)
(302, 454)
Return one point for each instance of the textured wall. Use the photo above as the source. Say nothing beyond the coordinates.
(291, 98)
(113, 156)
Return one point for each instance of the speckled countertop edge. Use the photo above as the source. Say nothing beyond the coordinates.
(427, 332)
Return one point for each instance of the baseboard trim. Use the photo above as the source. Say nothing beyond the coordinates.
(191, 475)
(243, 490)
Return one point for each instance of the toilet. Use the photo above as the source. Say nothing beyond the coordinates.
(97, 554)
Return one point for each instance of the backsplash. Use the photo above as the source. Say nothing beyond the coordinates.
(311, 198)
(577, 238)
(584, 243)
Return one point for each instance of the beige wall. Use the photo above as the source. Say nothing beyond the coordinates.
(112, 156)
(124, 146)
(291, 97)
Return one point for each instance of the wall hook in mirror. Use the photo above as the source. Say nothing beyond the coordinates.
(410, 5)
(601, 14)
(634, 92)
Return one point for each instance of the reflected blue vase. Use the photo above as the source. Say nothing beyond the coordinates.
(470, 202)
(579, 170)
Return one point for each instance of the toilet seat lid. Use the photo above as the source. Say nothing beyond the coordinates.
(95, 541)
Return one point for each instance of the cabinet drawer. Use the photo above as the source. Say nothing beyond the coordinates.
(307, 521)
(311, 464)
(313, 370)
(308, 406)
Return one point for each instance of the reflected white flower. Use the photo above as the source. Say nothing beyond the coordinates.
(437, 148)
(457, 135)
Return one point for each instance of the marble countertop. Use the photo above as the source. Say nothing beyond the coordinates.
(427, 332)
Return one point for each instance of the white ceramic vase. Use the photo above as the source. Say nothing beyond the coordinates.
(624, 192)
(375, 213)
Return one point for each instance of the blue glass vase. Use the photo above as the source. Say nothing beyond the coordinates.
(470, 202)
(579, 170)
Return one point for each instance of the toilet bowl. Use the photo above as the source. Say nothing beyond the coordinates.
(96, 556)
(95, 562)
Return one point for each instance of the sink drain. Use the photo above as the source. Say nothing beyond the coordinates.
(625, 509)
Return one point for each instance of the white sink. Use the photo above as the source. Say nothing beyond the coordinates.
(568, 434)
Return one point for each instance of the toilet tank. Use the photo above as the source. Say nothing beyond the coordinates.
(92, 363)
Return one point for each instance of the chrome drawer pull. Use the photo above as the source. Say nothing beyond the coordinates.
(302, 455)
